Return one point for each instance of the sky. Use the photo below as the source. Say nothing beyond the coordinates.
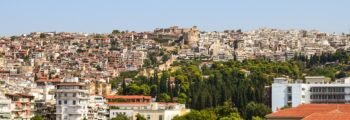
(102, 16)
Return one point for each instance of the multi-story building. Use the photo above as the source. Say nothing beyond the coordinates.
(5, 108)
(143, 105)
(315, 90)
(22, 106)
(72, 100)
(97, 108)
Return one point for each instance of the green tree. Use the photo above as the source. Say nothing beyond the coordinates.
(140, 117)
(182, 98)
(232, 116)
(164, 98)
(165, 57)
(120, 117)
(197, 115)
(116, 32)
(37, 117)
(42, 36)
(228, 110)
(257, 110)
(257, 118)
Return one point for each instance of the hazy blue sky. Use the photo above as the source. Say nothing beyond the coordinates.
(24, 16)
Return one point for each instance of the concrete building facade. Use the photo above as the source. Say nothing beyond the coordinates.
(315, 90)
(72, 100)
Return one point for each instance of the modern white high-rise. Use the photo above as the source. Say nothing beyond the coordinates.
(314, 90)
(72, 100)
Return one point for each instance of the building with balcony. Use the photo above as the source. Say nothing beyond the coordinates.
(315, 90)
(5, 108)
(97, 108)
(71, 100)
(22, 106)
(143, 105)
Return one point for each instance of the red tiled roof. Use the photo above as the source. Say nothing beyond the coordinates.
(333, 115)
(315, 112)
(127, 97)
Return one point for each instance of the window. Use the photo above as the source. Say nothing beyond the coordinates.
(289, 97)
(59, 102)
(74, 102)
(74, 94)
(160, 117)
(289, 89)
(65, 94)
(65, 102)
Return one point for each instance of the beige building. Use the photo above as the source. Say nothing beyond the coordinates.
(99, 88)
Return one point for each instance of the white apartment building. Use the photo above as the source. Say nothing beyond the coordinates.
(97, 108)
(314, 90)
(72, 100)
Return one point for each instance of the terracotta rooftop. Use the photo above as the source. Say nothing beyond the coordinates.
(314, 112)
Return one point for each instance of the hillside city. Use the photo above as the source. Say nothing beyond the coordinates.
(174, 73)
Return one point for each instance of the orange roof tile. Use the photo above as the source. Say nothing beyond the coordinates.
(314, 112)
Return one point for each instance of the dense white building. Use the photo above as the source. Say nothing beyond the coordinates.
(314, 90)
(97, 108)
(72, 100)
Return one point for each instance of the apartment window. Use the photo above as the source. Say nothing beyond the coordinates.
(74, 94)
(303, 89)
(289, 98)
(74, 102)
(59, 102)
(160, 117)
(289, 89)
(65, 94)
(65, 102)
(303, 96)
